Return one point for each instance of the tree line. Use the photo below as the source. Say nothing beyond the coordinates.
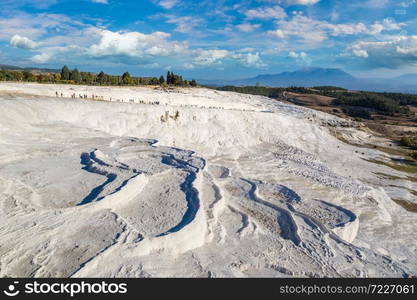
(76, 77)
(384, 103)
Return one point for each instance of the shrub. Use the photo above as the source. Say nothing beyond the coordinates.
(409, 142)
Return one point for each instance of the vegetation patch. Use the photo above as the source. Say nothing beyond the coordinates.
(407, 205)
(393, 177)
(358, 113)
(380, 102)
(407, 165)
(410, 142)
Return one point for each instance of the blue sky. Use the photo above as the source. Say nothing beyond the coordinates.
(222, 39)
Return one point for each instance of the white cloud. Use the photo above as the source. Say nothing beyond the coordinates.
(252, 60)
(294, 2)
(42, 58)
(376, 3)
(184, 24)
(276, 12)
(312, 31)
(167, 4)
(39, 4)
(385, 25)
(136, 44)
(210, 57)
(132, 48)
(293, 54)
(408, 3)
(49, 54)
(247, 27)
(301, 58)
(218, 56)
(188, 66)
(398, 52)
(23, 42)
(82, 37)
(100, 1)
(37, 25)
(360, 53)
(306, 29)
(301, 2)
(277, 33)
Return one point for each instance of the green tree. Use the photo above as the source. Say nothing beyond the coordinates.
(169, 78)
(126, 79)
(75, 75)
(101, 77)
(161, 80)
(88, 78)
(193, 83)
(26, 75)
(65, 73)
(114, 80)
(154, 81)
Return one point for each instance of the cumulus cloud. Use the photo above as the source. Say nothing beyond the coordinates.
(42, 57)
(136, 44)
(398, 52)
(276, 12)
(210, 57)
(360, 53)
(48, 54)
(293, 54)
(218, 56)
(23, 42)
(252, 60)
(306, 29)
(301, 58)
(133, 48)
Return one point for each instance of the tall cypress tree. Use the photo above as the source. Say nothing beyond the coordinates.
(65, 73)
(169, 77)
(101, 77)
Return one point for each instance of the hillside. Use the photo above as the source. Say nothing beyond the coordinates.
(192, 182)
(31, 69)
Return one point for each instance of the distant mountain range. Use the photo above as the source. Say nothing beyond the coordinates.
(10, 67)
(310, 77)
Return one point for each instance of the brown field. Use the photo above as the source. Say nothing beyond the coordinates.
(393, 127)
